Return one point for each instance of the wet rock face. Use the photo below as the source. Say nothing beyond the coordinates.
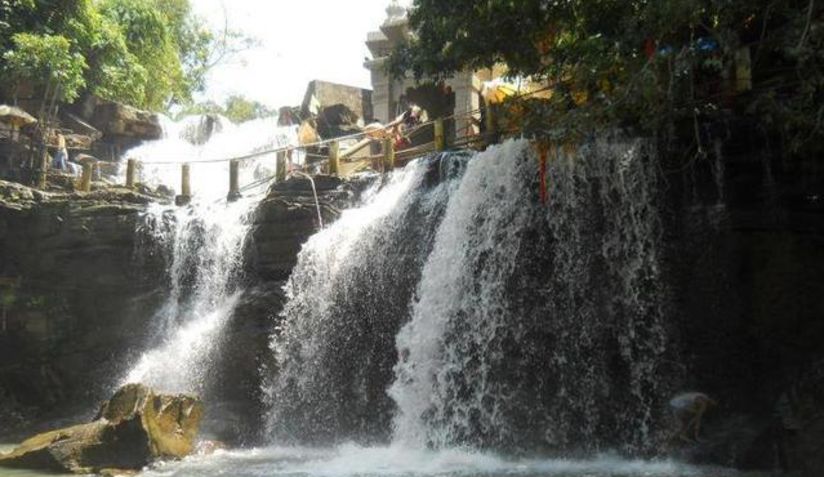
(117, 119)
(288, 216)
(136, 427)
(745, 256)
(79, 284)
(73, 298)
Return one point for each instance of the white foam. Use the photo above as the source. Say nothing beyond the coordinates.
(351, 460)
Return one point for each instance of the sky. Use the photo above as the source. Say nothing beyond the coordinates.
(300, 40)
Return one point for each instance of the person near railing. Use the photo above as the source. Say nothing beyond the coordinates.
(398, 128)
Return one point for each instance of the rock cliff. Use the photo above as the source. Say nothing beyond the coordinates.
(73, 296)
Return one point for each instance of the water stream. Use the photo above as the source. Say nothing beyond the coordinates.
(203, 243)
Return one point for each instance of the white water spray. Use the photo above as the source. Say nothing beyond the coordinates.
(204, 243)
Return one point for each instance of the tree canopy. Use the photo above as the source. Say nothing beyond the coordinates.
(634, 61)
(149, 53)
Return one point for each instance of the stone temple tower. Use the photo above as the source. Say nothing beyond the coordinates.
(459, 94)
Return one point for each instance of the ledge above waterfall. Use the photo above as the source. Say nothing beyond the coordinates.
(288, 216)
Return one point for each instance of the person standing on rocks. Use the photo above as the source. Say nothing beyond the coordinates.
(61, 158)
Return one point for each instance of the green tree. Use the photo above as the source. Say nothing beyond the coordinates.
(149, 33)
(149, 53)
(632, 62)
(240, 109)
(49, 59)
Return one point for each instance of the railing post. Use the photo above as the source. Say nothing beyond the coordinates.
(280, 167)
(491, 124)
(86, 177)
(334, 158)
(131, 170)
(440, 136)
(234, 180)
(185, 186)
(388, 154)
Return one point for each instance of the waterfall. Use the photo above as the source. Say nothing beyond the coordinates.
(490, 320)
(347, 297)
(539, 326)
(446, 391)
(203, 246)
(206, 253)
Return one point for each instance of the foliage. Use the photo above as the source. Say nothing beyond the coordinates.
(639, 63)
(161, 41)
(148, 53)
(48, 58)
(237, 108)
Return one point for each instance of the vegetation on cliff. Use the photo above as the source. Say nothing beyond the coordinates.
(148, 53)
(237, 108)
(638, 63)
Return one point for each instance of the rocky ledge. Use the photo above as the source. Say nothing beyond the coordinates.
(136, 427)
(73, 300)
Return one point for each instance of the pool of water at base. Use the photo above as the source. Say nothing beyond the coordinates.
(356, 461)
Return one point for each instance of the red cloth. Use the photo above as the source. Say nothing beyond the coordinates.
(649, 48)
(542, 158)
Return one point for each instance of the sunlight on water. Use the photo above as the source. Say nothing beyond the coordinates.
(206, 147)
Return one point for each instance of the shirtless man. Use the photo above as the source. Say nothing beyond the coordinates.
(689, 408)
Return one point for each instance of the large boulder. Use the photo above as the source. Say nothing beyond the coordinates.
(122, 126)
(133, 429)
(121, 120)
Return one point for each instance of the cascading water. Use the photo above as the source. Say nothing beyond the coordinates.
(447, 392)
(516, 325)
(348, 296)
(203, 244)
(452, 313)
(206, 249)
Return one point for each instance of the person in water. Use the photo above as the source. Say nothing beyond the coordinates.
(689, 409)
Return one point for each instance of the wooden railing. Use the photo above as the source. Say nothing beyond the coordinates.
(335, 162)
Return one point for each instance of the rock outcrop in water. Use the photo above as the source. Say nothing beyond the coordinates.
(133, 429)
